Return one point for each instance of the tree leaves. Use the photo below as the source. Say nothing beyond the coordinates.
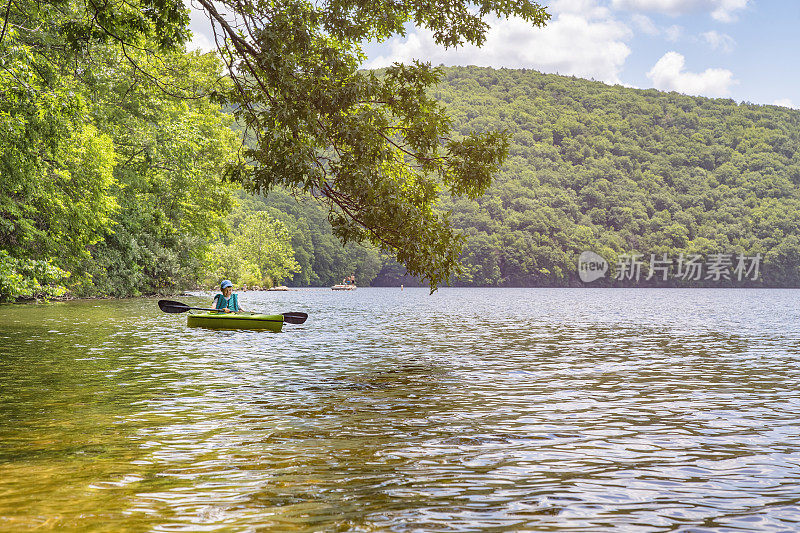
(374, 148)
(105, 172)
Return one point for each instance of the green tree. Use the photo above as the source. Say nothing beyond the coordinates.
(56, 170)
(266, 243)
(30, 278)
(225, 261)
(105, 173)
(374, 146)
(172, 155)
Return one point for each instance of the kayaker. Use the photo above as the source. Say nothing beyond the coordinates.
(227, 301)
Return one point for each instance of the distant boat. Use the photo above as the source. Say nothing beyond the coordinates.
(347, 284)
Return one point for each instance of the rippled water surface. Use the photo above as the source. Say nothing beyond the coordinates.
(468, 410)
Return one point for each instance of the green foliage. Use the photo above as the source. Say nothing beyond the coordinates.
(111, 158)
(227, 262)
(56, 169)
(618, 170)
(374, 147)
(257, 251)
(266, 243)
(173, 152)
(30, 278)
(62, 28)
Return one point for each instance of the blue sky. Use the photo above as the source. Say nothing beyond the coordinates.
(748, 50)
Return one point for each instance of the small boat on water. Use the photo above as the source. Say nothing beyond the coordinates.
(215, 319)
(347, 284)
(236, 321)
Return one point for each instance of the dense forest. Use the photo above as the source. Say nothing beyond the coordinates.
(111, 186)
(620, 171)
(608, 169)
(111, 183)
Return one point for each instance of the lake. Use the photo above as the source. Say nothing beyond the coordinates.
(390, 410)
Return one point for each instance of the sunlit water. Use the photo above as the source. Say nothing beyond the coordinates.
(389, 410)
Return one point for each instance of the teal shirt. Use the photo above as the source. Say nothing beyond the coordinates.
(231, 303)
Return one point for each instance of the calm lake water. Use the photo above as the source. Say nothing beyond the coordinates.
(468, 410)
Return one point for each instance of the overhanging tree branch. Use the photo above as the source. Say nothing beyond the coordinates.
(376, 145)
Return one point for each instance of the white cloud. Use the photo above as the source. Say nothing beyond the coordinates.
(719, 41)
(582, 39)
(721, 10)
(200, 25)
(785, 102)
(201, 42)
(645, 24)
(670, 7)
(590, 9)
(673, 33)
(725, 9)
(668, 74)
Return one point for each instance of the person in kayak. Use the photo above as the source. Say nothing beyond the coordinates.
(227, 301)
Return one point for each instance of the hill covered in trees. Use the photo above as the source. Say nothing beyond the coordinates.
(622, 171)
(609, 169)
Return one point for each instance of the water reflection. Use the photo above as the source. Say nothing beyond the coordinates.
(469, 410)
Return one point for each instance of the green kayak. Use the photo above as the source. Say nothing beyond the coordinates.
(236, 321)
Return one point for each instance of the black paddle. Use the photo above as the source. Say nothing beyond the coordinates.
(294, 317)
(169, 306)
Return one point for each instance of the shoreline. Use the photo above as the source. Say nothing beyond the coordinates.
(187, 293)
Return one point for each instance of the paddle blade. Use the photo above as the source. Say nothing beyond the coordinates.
(168, 306)
(295, 317)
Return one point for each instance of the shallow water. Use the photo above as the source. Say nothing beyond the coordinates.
(389, 410)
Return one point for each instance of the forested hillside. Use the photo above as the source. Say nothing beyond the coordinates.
(619, 171)
(613, 170)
